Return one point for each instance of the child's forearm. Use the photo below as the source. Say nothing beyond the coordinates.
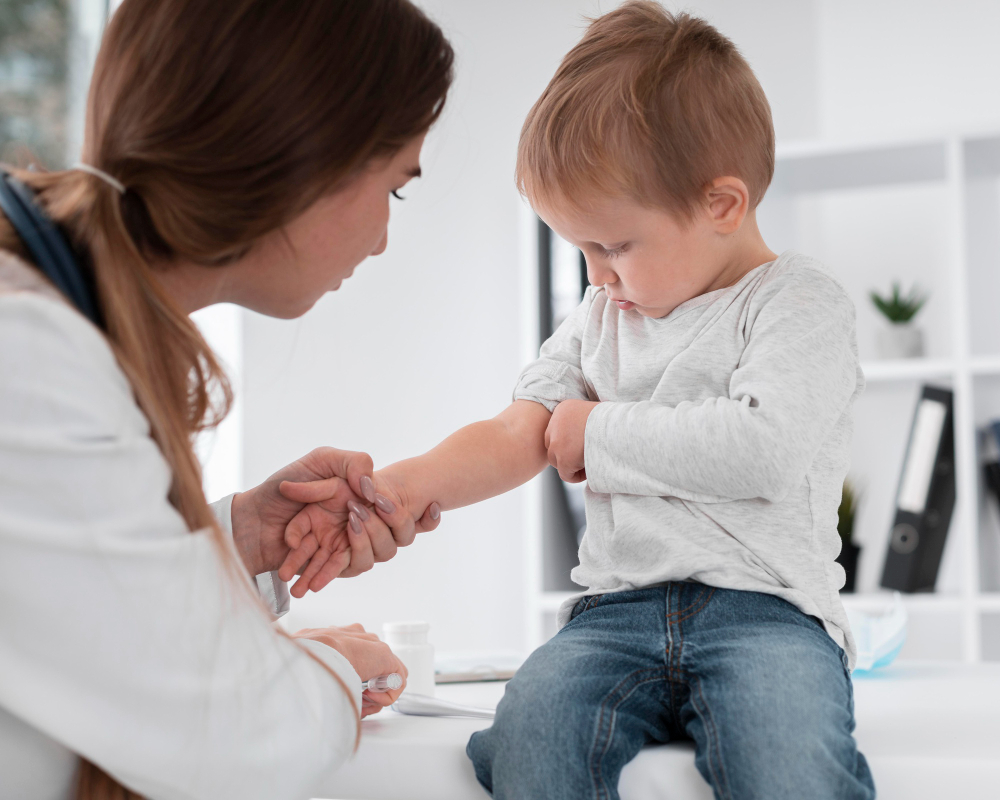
(479, 461)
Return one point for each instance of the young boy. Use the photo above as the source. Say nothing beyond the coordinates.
(704, 389)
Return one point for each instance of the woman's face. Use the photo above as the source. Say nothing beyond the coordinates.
(290, 269)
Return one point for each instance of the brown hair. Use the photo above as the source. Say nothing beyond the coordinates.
(224, 121)
(650, 105)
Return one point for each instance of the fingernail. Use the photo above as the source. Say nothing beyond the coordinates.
(385, 504)
(368, 488)
(355, 523)
(435, 511)
(358, 509)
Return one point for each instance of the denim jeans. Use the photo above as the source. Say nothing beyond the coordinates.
(760, 687)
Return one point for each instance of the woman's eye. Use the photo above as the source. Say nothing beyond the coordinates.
(395, 193)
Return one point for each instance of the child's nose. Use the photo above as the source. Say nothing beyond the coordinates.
(599, 274)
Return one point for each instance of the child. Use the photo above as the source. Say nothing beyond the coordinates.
(704, 389)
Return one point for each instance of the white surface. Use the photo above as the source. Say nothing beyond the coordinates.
(929, 731)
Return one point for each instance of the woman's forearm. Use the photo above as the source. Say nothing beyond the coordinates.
(477, 462)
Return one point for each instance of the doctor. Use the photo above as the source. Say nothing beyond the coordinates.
(238, 151)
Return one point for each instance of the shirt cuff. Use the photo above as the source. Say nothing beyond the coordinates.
(542, 384)
(335, 661)
(596, 458)
(273, 591)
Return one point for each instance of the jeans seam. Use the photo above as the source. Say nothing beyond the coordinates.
(694, 602)
(701, 607)
(596, 775)
(722, 782)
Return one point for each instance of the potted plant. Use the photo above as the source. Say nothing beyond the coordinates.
(849, 551)
(901, 338)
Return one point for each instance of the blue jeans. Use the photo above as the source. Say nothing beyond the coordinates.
(759, 686)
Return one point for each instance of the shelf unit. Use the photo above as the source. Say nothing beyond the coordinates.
(920, 210)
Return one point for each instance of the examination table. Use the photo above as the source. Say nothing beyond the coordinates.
(929, 730)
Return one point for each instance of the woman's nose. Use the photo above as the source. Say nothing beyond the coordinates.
(380, 248)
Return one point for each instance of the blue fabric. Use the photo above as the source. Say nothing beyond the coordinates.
(760, 687)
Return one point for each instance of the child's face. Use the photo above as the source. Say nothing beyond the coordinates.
(646, 259)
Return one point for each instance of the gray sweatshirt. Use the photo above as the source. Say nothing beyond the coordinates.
(722, 440)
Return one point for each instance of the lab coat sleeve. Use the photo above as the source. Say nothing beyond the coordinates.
(122, 635)
(272, 590)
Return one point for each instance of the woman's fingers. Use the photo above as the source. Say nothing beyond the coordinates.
(311, 491)
(316, 563)
(333, 568)
(298, 558)
(362, 557)
(430, 520)
(355, 468)
(397, 518)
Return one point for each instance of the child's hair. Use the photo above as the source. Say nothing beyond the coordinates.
(649, 105)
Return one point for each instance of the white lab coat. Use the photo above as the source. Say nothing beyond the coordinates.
(121, 638)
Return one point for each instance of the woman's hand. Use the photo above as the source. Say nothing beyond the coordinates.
(369, 657)
(261, 514)
(329, 540)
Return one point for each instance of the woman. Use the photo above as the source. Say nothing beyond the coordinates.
(236, 151)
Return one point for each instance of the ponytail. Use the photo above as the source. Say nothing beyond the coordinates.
(224, 121)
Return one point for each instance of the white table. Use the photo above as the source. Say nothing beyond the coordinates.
(928, 731)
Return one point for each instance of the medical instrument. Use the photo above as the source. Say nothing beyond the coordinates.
(408, 641)
(47, 246)
(383, 683)
(419, 705)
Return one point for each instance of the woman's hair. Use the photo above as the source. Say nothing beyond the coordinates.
(225, 120)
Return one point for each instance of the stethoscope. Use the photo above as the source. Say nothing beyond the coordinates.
(48, 247)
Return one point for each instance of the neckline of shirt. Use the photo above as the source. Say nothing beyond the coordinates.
(708, 297)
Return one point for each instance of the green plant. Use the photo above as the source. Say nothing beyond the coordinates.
(845, 514)
(897, 308)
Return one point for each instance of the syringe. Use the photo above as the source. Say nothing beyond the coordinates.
(383, 683)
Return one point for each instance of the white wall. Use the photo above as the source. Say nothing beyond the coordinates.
(427, 337)
(906, 66)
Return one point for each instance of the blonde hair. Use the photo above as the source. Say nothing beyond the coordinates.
(224, 121)
(649, 105)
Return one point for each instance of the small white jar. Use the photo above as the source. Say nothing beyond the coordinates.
(408, 640)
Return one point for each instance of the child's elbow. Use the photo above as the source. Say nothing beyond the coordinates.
(777, 482)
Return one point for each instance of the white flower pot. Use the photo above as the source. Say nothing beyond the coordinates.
(903, 340)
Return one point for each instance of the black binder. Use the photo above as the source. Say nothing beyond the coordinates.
(926, 496)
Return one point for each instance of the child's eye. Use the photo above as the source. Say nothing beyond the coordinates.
(616, 252)
(395, 193)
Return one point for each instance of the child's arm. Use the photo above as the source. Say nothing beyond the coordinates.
(479, 461)
(795, 380)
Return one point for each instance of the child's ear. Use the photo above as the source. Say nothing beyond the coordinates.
(728, 204)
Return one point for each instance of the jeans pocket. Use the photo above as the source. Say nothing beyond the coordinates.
(583, 604)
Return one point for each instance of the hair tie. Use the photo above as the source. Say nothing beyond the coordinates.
(97, 173)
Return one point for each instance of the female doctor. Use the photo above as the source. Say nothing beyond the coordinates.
(238, 151)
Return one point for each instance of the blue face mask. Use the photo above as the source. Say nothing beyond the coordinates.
(879, 636)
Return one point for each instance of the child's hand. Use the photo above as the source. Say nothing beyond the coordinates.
(340, 536)
(564, 438)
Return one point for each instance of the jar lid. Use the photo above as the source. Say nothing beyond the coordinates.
(406, 627)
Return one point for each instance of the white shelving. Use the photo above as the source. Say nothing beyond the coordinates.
(919, 210)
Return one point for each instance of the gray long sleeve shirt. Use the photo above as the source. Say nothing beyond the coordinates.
(722, 438)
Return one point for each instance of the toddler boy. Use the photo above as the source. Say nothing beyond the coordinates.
(704, 390)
